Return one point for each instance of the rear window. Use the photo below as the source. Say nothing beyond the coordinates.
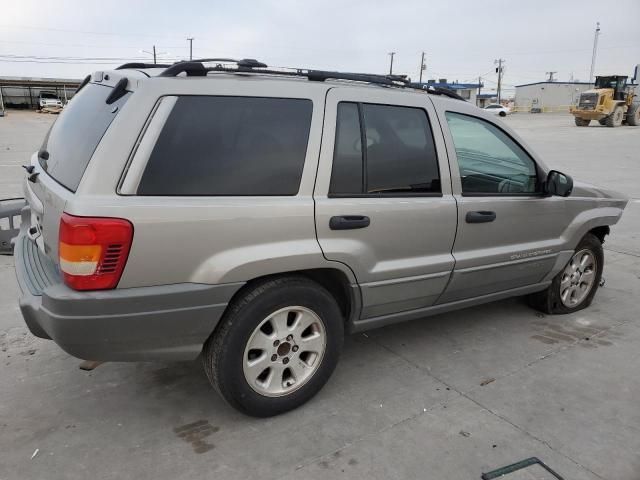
(215, 145)
(399, 155)
(77, 132)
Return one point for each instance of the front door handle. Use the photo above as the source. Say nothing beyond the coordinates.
(481, 216)
(349, 222)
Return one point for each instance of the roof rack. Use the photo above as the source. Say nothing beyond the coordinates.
(142, 65)
(197, 68)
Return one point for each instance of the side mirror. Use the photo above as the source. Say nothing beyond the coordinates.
(559, 184)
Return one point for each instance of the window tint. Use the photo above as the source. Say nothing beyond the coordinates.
(230, 146)
(489, 161)
(76, 133)
(399, 156)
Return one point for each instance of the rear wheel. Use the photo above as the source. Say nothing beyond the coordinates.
(575, 286)
(582, 122)
(615, 119)
(633, 115)
(276, 346)
(503, 114)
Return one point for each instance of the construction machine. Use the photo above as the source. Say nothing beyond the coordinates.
(611, 102)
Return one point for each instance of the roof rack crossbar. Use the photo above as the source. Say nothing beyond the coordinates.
(192, 69)
(142, 65)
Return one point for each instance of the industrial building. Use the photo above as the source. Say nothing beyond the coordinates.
(24, 92)
(549, 96)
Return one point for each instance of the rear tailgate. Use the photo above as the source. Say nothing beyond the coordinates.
(59, 165)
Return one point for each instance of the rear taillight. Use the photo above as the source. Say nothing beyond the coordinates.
(93, 251)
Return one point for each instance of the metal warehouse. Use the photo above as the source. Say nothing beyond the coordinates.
(549, 96)
(24, 92)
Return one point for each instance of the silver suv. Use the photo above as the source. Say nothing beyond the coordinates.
(253, 217)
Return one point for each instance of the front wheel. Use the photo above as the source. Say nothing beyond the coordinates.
(276, 346)
(582, 122)
(575, 286)
(615, 119)
(503, 114)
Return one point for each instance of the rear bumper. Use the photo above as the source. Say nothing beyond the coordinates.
(167, 322)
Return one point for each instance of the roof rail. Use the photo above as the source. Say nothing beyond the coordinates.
(195, 68)
(437, 90)
(245, 62)
(248, 65)
(142, 65)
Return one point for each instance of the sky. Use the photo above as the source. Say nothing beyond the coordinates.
(461, 39)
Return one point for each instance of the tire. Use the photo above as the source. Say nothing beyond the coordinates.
(616, 117)
(633, 115)
(602, 121)
(551, 301)
(582, 122)
(503, 114)
(227, 354)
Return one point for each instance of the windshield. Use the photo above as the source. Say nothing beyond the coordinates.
(76, 133)
(610, 82)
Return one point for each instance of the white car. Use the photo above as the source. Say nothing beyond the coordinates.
(498, 109)
(48, 99)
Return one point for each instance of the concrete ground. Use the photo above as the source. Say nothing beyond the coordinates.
(446, 397)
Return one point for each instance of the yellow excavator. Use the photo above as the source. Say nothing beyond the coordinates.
(611, 102)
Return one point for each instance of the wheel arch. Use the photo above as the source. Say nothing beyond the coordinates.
(600, 232)
(334, 280)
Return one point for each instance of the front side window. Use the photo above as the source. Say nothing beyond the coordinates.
(383, 150)
(490, 162)
(230, 146)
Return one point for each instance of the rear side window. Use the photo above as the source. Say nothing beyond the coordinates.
(383, 150)
(230, 146)
(77, 132)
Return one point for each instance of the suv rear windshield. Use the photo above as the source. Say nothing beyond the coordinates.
(76, 133)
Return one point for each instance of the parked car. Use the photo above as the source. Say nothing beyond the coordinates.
(255, 218)
(498, 109)
(49, 99)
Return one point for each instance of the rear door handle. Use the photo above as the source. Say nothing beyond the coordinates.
(481, 216)
(349, 222)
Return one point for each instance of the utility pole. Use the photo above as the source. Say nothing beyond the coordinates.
(154, 55)
(391, 54)
(423, 67)
(551, 74)
(499, 71)
(190, 48)
(479, 87)
(595, 50)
